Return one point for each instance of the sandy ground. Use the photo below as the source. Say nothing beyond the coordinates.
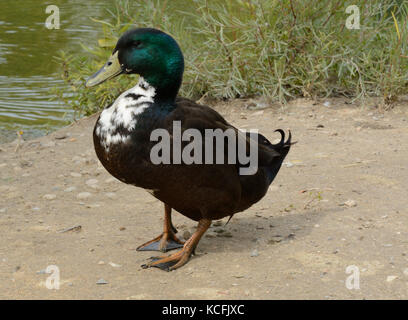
(339, 200)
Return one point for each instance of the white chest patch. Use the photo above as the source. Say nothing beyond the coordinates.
(117, 121)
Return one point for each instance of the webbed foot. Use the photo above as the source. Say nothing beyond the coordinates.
(180, 258)
(171, 262)
(165, 242)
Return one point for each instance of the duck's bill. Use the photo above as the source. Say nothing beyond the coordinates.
(110, 69)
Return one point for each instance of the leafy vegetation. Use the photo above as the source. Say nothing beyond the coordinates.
(281, 49)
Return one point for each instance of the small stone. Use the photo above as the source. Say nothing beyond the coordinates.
(93, 205)
(320, 126)
(256, 104)
(225, 234)
(110, 195)
(406, 271)
(49, 196)
(95, 186)
(78, 160)
(254, 253)
(83, 195)
(391, 278)
(114, 265)
(288, 164)
(25, 163)
(75, 174)
(186, 235)
(275, 239)
(122, 228)
(70, 189)
(326, 104)
(101, 281)
(91, 161)
(350, 203)
(210, 235)
(91, 182)
(61, 136)
(101, 262)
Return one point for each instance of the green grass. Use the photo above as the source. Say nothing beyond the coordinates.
(281, 49)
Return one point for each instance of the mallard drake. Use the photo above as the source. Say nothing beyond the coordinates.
(123, 143)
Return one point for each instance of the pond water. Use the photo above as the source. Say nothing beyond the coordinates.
(27, 67)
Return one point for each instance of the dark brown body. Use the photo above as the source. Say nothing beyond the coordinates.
(210, 191)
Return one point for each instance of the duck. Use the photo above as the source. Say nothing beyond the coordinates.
(126, 134)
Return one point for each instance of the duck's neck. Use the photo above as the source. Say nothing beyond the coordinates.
(158, 97)
(166, 84)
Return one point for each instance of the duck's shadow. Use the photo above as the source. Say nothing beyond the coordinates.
(246, 232)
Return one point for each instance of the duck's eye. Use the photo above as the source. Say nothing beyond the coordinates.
(136, 44)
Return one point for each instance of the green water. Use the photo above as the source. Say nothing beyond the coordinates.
(27, 66)
(28, 70)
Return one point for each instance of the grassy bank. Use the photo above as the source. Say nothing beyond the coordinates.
(281, 49)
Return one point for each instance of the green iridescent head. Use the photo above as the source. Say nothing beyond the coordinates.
(152, 54)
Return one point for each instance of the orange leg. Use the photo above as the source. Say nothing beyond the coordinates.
(167, 240)
(181, 257)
